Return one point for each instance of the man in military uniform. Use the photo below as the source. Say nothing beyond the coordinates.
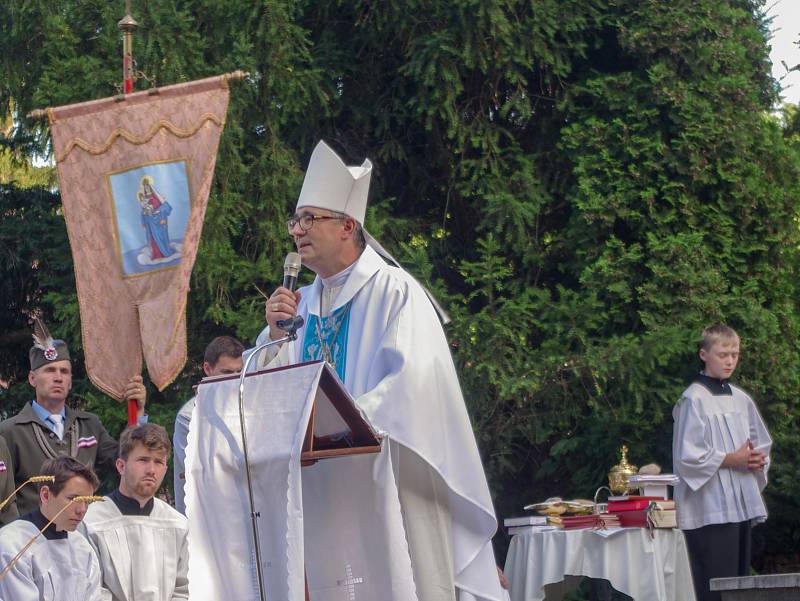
(8, 509)
(46, 428)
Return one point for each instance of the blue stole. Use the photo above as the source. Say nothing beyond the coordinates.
(326, 339)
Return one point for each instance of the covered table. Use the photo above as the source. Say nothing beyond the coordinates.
(645, 568)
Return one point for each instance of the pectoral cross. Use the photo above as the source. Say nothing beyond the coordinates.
(350, 582)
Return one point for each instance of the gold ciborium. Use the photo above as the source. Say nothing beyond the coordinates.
(619, 474)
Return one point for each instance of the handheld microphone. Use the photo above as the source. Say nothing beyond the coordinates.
(291, 269)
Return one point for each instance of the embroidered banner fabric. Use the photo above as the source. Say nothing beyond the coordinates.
(135, 175)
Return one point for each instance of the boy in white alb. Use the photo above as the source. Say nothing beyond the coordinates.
(60, 565)
(720, 451)
(141, 541)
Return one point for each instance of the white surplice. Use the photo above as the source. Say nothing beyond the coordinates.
(64, 569)
(400, 371)
(707, 427)
(142, 557)
(182, 423)
(339, 519)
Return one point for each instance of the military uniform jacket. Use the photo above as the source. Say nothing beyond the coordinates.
(31, 442)
(9, 512)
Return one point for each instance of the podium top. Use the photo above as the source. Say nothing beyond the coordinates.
(336, 426)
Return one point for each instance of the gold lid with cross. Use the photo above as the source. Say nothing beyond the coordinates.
(619, 474)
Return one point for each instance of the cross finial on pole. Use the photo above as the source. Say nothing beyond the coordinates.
(127, 25)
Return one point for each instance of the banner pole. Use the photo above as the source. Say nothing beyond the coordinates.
(127, 26)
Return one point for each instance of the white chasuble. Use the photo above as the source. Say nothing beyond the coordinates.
(142, 557)
(401, 374)
(339, 519)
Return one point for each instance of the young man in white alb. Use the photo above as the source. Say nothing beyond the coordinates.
(141, 541)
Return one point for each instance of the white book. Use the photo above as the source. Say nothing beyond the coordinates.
(670, 479)
(514, 530)
(526, 520)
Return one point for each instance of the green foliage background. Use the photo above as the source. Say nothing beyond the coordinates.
(585, 184)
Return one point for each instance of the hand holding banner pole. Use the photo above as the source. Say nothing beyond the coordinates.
(135, 395)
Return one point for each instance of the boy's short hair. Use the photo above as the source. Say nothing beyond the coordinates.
(222, 345)
(717, 333)
(64, 469)
(152, 436)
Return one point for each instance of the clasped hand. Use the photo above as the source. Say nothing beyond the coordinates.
(745, 458)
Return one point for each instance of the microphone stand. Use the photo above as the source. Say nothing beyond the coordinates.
(291, 334)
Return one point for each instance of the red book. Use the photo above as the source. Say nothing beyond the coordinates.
(632, 519)
(631, 503)
(580, 521)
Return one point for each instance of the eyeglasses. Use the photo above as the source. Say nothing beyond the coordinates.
(306, 222)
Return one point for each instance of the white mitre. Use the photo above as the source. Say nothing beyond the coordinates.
(330, 184)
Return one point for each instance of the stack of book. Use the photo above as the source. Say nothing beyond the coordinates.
(602, 521)
(630, 503)
(610, 520)
(663, 514)
(641, 511)
(653, 485)
(573, 522)
(526, 523)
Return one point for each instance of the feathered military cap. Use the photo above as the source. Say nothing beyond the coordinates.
(45, 349)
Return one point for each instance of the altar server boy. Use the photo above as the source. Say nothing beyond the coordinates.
(140, 540)
(720, 451)
(60, 565)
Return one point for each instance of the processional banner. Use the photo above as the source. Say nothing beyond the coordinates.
(135, 173)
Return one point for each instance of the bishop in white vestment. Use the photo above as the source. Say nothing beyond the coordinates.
(378, 328)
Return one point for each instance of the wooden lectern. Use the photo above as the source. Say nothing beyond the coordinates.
(336, 427)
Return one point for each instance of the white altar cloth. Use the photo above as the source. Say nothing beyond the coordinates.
(644, 568)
